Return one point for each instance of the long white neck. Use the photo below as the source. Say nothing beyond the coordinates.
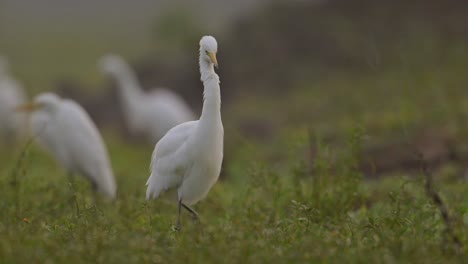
(211, 112)
(129, 88)
(130, 94)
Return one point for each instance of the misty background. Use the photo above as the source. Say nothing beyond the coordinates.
(288, 68)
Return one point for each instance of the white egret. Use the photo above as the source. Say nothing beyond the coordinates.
(64, 129)
(189, 156)
(12, 125)
(150, 114)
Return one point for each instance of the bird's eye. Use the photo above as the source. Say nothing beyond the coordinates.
(206, 52)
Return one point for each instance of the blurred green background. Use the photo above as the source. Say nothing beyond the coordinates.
(395, 68)
(289, 69)
(53, 39)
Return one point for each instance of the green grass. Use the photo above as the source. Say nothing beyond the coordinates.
(261, 213)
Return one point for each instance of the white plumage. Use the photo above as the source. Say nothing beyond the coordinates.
(189, 156)
(64, 129)
(150, 114)
(12, 125)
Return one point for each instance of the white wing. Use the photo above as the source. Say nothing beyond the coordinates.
(164, 110)
(45, 130)
(75, 142)
(86, 148)
(167, 163)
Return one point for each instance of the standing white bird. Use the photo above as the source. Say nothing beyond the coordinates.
(150, 114)
(64, 129)
(12, 125)
(189, 156)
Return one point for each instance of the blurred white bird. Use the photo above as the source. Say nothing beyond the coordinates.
(150, 114)
(64, 129)
(189, 156)
(12, 125)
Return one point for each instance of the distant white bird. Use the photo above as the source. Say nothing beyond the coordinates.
(12, 125)
(189, 156)
(150, 114)
(64, 129)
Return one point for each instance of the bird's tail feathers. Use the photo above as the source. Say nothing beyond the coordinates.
(153, 191)
(108, 186)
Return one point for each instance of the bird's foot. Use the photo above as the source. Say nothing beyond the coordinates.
(176, 228)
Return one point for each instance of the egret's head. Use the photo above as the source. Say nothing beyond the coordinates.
(208, 49)
(111, 64)
(44, 101)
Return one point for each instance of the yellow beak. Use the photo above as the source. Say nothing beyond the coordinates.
(29, 107)
(213, 58)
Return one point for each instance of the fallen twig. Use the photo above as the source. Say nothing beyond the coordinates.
(437, 200)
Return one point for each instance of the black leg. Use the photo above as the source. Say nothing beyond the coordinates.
(73, 195)
(178, 216)
(194, 214)
(96, 200)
